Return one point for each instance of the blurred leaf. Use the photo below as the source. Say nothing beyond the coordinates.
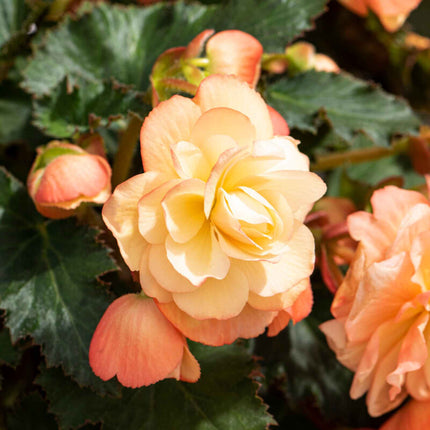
(118, 42)
(12, 17)
(224, 398)
(47, 287)
(15, 112)
(8, 354)
(31, 414)
(348, 104)
(88, 106)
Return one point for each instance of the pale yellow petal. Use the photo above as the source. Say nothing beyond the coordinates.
(220, 299)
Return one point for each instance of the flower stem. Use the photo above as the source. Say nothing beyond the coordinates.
(124, 156)
(331, 161)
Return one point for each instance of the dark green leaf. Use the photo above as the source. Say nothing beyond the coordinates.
(124, 42)
(31, 415)
(88, 106)
(47, 287)
(8, 354)
(348, 104)
(15, 112)
(224, 398)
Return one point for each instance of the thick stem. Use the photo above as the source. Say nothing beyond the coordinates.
(331, 161)
(124, 156)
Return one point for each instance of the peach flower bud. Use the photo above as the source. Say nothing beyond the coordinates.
(391, 13)
(135, 342)
(415, 415)
(63, 176)
(323, 63)
(233, 52)
(215, 224)
(381, 328)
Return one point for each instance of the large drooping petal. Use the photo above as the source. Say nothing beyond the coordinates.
(135, 342)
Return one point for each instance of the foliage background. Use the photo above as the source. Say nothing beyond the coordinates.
(87, 70)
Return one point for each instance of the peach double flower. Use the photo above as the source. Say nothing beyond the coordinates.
(381, 329)
(215, 224)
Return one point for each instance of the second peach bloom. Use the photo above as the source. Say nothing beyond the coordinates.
(381, 329)
(215, 224)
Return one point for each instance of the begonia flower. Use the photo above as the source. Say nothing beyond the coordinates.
(135, 342)
(63, 176)
(414, 415)
(391, 13)
(381, 328)
(215, 224)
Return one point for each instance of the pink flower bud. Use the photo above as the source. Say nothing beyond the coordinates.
(63, 176)
(135, 342)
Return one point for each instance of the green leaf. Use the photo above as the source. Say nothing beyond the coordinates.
(48, 281)
(348, 104)
(86, 107)
(124, 42)
(224, 398)
(8, 354)
(31, 415)
(15, 113)
(12, 17)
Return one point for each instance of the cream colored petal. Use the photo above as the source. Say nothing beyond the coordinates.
(120, 214)
(300, 189)
(148, 283)
(190, 368)
(278, 301)
(219, 299)
(223, 121)
(229, 92)
(200, 258)
(164, 273)
(249, 323)
(151, 217)
(183, 210)
(295, 264)
(214, 146)
(189, 161)
(169, 123)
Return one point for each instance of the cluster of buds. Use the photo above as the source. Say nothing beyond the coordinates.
(298, 58)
